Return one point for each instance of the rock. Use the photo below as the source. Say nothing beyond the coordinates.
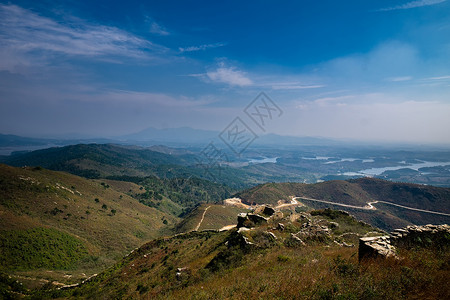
(239, 239)
(314, 232)
(182, 273)
(333, 225)
(378, 246)
(296, 240)
(422, 236)
(280, 226)
(430, 236)
(344, 244)
(249, 220)
(257, 219)
(271, 234)
(246, 242)
(243, 229)
(241, 220)
(182, 269)
(268, 211)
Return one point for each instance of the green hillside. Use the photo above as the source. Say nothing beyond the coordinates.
(209, 217)
(266, 263)
(98, 160)
(130, 163)
(59, 221)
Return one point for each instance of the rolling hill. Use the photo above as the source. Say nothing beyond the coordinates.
(98, 160)
(70, 225)
(358, 193)
(269, 261)
(122, 162)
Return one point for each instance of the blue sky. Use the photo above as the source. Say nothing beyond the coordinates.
(366, 70)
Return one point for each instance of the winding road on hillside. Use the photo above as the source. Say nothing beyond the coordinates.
(293, 202)
(203, 216)
(370, 206)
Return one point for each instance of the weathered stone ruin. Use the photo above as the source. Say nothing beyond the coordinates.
(436, 236)
(377, 246)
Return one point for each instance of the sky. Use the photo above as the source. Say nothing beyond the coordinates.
(372, 70)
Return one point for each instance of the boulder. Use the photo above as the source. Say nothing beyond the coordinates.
(257, 219)
(312, 231)
(296, 240)
(271, 235)
(378, 246)
(268, 211)
(241, 220)
(243, 229)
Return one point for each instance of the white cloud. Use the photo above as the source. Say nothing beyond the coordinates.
(27, 36)
(230, 76)
(391, 59)
(413, 4)
(401, 78)
(200, 47)
(158, 29)
(294, 86)
(439, 78)
(133, 97)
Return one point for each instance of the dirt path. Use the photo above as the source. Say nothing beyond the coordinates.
(203, 216)
(369, 206)
(293, 202)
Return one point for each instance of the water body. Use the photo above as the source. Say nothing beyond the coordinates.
(263, 160)
(379, 171)
(9, 150)
(317, 158)
(369, 160)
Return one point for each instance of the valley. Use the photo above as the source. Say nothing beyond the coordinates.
(224, 150)
(76, 211)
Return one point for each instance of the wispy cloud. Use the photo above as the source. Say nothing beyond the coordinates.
(413, 4)
(24, 33)
(399, 79)
(158, 29)
(294, 86)
(439, 78)
(200, 47)
(228, 75)
(143, 98)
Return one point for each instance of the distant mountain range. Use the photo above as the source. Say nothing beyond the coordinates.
(182, 136)
(171, 135)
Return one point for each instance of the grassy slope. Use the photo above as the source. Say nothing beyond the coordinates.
(219, 216)
(319, 270)
(216, 217)
(108, 227)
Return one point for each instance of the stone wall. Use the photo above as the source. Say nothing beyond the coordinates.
(430, 236)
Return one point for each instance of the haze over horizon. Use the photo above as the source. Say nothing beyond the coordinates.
(362, 70)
